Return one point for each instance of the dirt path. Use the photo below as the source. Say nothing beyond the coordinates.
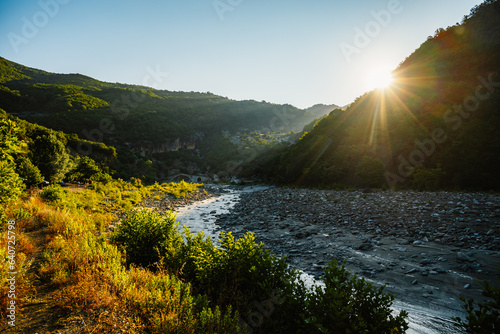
(38, 314)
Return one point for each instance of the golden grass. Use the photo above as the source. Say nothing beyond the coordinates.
(90, 274)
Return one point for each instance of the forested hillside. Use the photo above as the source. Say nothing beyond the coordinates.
(436, 126)
(176, 131)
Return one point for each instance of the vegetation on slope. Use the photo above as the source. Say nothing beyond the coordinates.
(438, 121)
(142, 122)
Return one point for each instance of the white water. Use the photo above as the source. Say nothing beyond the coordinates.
(201, 217)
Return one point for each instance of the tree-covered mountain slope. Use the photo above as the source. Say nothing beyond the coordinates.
(438, 125)
(195, 130)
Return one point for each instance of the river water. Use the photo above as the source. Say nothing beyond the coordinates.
(201, 216)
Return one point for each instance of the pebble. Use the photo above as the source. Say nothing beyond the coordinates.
(425, 262)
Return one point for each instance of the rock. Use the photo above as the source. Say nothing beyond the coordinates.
(462, 257)
(365, 247)
(414, 282)
(425, 262)
(411, 271)
(467, 286)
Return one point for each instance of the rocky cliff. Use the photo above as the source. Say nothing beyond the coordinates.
(169, 145)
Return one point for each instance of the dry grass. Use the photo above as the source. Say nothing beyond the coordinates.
(94, 288)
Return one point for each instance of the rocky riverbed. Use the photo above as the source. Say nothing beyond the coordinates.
(428, 248)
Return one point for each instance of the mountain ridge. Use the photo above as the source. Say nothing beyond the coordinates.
(436, 127)
(193, 129)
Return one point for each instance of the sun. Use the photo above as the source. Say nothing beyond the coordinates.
(380, 78)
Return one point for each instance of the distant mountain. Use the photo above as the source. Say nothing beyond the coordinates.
(320, 110)
(180, 131)
(438, 125)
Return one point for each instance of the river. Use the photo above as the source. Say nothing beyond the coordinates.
(201, 216)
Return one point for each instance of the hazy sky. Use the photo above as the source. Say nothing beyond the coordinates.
(300, 52)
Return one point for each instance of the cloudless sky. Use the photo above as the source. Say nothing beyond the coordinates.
(280, 51)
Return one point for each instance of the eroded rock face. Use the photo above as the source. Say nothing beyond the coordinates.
(169, 145)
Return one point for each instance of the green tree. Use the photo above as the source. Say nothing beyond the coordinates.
(371, 171)
(30, 173)
(428, 179)
(86, 169)
(11, 185)
(49, 154)
(10, 145)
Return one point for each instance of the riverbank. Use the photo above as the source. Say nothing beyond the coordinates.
(428, 248)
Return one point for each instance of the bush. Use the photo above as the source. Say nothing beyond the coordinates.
(238, 273)
(102, 177)
(348, 304)
(53, 193)
(136, 182)
(486, 317)
(148, 236)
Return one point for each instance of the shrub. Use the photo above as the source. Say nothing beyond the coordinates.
(147, 236)
(102, 177)
(53, 193)
(215, 322)
(348, 304)
(136, 182)
(237, 273)
(485, 318)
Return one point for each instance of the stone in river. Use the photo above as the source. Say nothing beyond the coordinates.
(426, 262)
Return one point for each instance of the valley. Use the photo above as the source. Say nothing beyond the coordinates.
(369, 218)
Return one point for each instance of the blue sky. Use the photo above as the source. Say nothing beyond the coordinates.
(300, 52)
